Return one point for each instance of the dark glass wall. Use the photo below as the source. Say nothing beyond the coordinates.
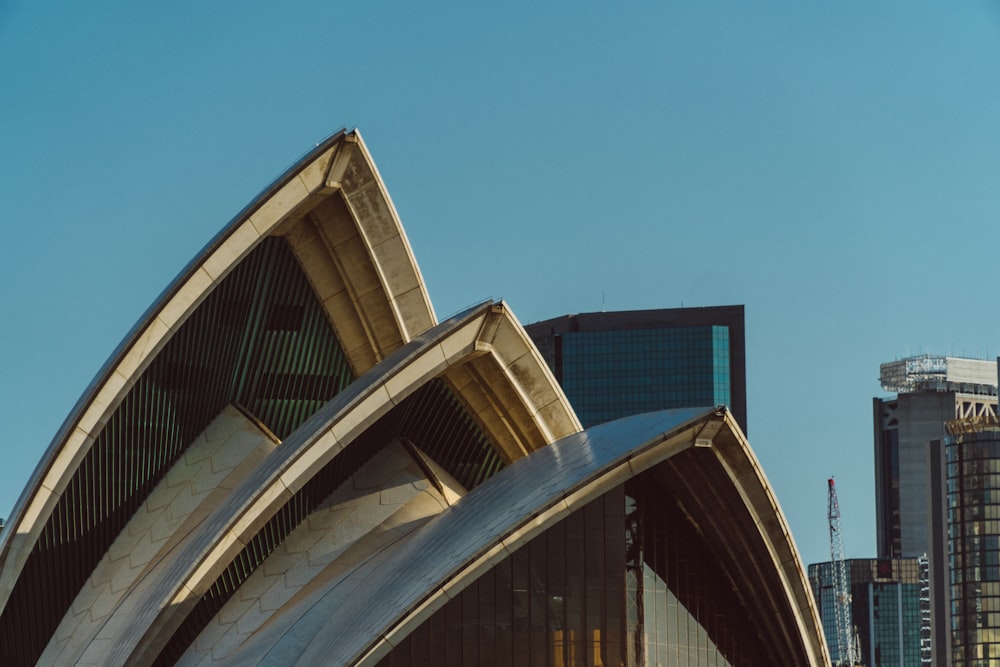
(681, 609)
(894, 617)
(612, 374)
(619, 363)
(626, 580)
(556, 601)
(889, 603)
(973, 489)
(890, 540)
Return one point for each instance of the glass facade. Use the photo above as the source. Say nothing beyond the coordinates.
(887, 477)
(973, 489)
(626, 580)
(821, 579)
(619, 363)
(611, 374)
(889, 609)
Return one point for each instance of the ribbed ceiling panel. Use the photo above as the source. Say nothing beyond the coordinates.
(432, 418)
(261, 340)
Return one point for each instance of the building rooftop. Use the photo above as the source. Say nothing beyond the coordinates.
(929, 372)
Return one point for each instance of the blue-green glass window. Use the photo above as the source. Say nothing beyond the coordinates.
(611, 374)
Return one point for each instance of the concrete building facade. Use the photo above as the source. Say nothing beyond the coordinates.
(931, 391)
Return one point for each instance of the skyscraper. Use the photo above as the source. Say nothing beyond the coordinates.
(917, 507)
(966, 554)
(932, 390)
(890, 609)
(615, 364)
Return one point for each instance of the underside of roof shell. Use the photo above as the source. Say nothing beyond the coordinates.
(337, 216)
(342, 230)
(150, 596)
(145, 618)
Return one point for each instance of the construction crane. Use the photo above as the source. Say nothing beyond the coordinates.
(847, 646)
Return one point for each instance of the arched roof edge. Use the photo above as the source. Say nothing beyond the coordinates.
(402, 230)
(763, 502)
(437, 562)
(145, 321)
(148, 609)
(302, 454)
(476, 540)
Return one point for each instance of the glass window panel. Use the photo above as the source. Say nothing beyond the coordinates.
(487, 618)
(470, 624)
(625, 580)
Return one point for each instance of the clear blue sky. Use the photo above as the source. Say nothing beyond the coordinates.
(834, 166)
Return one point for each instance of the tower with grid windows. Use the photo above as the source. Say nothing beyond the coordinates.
(616, 364)
(890, 609)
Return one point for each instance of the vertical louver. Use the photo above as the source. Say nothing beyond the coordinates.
(260, 340)
(432, 419)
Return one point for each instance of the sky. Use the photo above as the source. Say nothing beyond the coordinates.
(833, 166)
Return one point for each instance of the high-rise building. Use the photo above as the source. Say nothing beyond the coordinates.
(966, 554)
(931, 391)
(890, 609)
(915, 481)
(616, 364)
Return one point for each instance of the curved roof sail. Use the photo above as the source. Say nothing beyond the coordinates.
(308, 287)
(289, 424)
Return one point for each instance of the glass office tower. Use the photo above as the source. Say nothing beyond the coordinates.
(616, 364)
(890, 609)
(930, 391)
(970, 550)
(912, 501)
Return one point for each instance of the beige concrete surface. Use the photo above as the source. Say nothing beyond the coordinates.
(219, 458)
(372, 500)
